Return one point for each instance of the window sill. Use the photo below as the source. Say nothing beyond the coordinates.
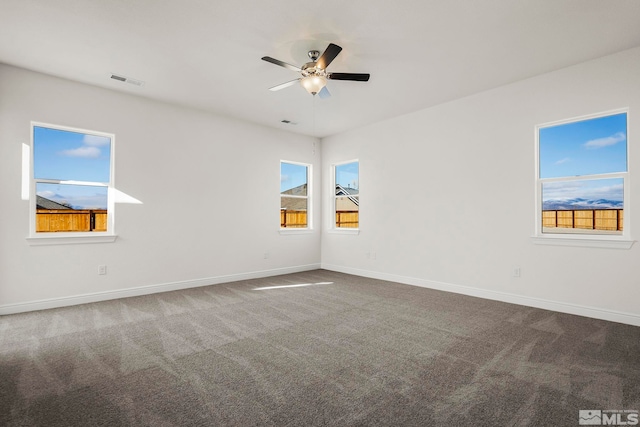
(589, 242)
(290, 231)
(353, 231)
(70, 239)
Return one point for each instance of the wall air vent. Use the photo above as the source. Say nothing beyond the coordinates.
(135, 82)
(127, 80)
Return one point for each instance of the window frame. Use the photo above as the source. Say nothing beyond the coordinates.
(309, 227)
(332, 216)
(57, 238)
(619, 241)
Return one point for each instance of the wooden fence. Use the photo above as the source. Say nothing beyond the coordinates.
(591, 219)
(298, 219)
(347, 219)
(52, 220)
(293, 219)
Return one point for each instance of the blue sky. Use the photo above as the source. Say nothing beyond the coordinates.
(587, 147)
(292, 175)
(64, 155)
(72, 156)
(347, 175)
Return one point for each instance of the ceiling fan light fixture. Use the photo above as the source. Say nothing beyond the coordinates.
(314, 74)
(314, 83)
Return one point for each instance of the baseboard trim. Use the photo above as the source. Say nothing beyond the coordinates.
(147, 290)
(562, 307)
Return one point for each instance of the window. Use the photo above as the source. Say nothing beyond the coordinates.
(71, 182)
(346, 200)
(582, 182)
(294, 195)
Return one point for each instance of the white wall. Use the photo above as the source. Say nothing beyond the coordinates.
(466, 167)
(466, 171)
(209, 187)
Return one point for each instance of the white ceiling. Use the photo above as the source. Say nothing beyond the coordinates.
(206, 53)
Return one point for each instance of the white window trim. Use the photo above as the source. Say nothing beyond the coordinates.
(66, 238)
(335, 230)
(309, 228)
(623, 241)
(290, 231)
(332, 215)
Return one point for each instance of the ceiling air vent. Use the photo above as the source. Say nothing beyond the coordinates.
(288, 122)
(127, 80)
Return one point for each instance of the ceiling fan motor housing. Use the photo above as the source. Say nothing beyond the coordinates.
(311, 69)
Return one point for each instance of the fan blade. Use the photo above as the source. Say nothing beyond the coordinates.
(356, 77)
(324, 93)
(328, 56)
(280, 63)
(283, 85)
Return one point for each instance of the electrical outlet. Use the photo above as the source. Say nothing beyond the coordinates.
(515, 272)
(266, 255)
(102, 270)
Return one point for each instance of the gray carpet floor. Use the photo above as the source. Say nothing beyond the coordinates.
(342, 351)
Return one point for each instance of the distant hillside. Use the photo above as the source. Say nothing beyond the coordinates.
(578, 203)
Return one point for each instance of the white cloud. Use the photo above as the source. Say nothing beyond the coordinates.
(605, 142)
(89, 202)
(285, 178)
(79, 201)
(46, 194)
(89, 152)
(598, 189)
(89, 149)
(561, 161)
(95, 140)
(610, 191)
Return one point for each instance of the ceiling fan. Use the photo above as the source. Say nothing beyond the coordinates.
(315, 74)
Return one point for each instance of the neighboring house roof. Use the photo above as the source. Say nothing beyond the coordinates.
(348, 191)
(291, 204)
(44, 203)
(351, 201)
(294, 203)
(300, 190)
